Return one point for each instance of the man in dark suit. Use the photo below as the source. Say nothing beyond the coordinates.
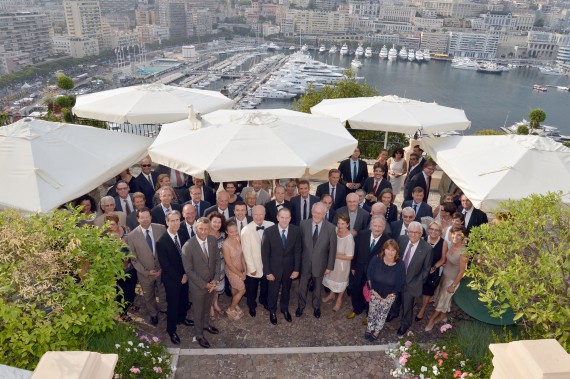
(208, 193)
(358, 217)
(362, 200)
(178, 180)
(281, 248)
(414, 167)
(188, 224)
(420, 207)
(400, 227)
(353, 171)
(379, 209)
(421, 179)
(196, 200)
(139, 202)
(334, 188)
(327, 201)
(473, 216)
(166, 196)
(124, 199)
(318, 257)
(222, 206)
(274, 206)
(146, 181)
(240, 215)
(373, 186)
(417, 255)
(303, 202)
(368, 244)
(175, 280)
(202, 264)
(142, 240)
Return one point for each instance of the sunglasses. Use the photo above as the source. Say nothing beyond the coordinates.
(145, 165)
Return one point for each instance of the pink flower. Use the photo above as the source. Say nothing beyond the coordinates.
(135, 370)
(408, 344)
(156, 339)
(406, 355)
(457, 374)
(444, 355)
(445, 327)
(440, 362)
(403, 361)
(157, 369)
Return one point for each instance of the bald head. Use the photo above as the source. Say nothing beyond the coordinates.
(378, 209)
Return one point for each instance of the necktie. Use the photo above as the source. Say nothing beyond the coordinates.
(372, 245)
(177, 245)
(128, 207)
(197, 206)
(464, 211)
(179, 181)
(415, 206)
(205, 250)
(240, 226)
(149, 178)
(428, 182)
(249, 212)
(259, 228)
(408, 255)
(405, 232)
(149, 241)
(315, 234)
(305, 209)
(375, 186)
(354, 170)
(283, 238)
(332, 193)
(192, 234)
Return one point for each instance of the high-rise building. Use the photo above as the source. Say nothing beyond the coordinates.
(83, 18)
(172, 14)
(26, 33)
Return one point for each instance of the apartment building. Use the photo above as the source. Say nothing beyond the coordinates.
(316, 22)
(83, 18)
(25, 33)
(473, 45)
(437, 43)
(76, 47)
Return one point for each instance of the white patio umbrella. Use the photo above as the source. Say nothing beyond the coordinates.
(45, 164)
(491, 169)
(248, 145)
(393, 114)
(148, 104)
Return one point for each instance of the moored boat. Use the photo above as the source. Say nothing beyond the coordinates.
(344, 50)
(368, 52)
(392, 54)
(383, 52)
(356, 63)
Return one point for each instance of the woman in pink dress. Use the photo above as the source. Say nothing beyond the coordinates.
(235, 269)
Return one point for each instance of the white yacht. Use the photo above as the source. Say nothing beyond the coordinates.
(384, 52)
(344, 50)
(427, 55)
(270, 93)
(322, 49)
(292, 48)
(304, 48)
(419, 56)
(359, 51)
(411, 55)
(549, 70)
(333, 50)
(392, 54)
(356, 63)
(272, 47)
(464, 63)
(403, 54)
(368, 52)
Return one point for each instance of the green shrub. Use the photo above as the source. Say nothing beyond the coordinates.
(522, 129)
(57, 284)
(65, 101)
(489, 132)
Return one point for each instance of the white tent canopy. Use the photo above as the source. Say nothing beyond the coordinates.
(393, 114)
(148, 104)
(247, 145)
(491, 169)
(45, 164)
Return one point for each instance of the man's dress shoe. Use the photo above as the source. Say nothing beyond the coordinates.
(186, 322)
(287, 316)
(212, 330)
(252, 312)
(317, 313)
(203, 342)
(298, 312)
(174, 338)
(154, 320)
(402, 331)
(273, 318)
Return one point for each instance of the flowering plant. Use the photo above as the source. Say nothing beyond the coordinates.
(144, 358)
(429, 361)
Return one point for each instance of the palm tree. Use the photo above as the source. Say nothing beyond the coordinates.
(536, 116)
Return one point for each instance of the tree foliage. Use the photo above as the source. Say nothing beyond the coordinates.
(523, 262)
(370, 142)
(522, 129)
(536, 116)
(65, 101)
(65, 82)
(57, 284)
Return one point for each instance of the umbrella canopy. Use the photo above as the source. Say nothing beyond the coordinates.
(491, 169)
(45, 164)
(393, 114)
(248, 145)
(148, 104)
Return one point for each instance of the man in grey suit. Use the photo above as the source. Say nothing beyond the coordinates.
(358, 217)
(262, 196)
(319, 253)
(202, 265)
(142, 244)
(416, 254)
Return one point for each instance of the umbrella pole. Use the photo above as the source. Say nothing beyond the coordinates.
(385, 140)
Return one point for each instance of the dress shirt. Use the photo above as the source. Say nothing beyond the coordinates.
(190, 229)
(320, 227)
(165, 209)
(404, 230)
(127, 200)
(331, 188)
(353, 169)
(281, 231)
(308, 200)
(412, 252)
(151, 237)
(352, 217)
(260, 231)
(467, 215)
(224, 212)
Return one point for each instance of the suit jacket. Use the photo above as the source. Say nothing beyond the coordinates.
(146, 188)
(209, 194)
(478, 217)
(263, 196)
(320, 257)
(362, 252)
(158, 215)
(184, 230)
(251, 247)
(119, 204)
(296, 203)
(425, 210)
(132, 221)
(368, 187)
(100, 220)
(199, 270)
(416, 170)
(340, 192)
(391, 213)
(419, 267)
(271, 210)
(330, 216)
(366, 207)
(417, 180)
(214, 208)
(396, 228)
(200, 207)
(346, 172)
(170, 260)
(144, 260)
(361, 221)
(278, 260)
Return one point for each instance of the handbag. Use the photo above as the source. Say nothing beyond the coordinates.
(433, 279)
(366, 292)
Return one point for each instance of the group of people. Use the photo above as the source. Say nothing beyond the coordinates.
(190, 242)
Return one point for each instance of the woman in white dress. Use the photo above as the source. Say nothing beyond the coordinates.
(397, 166)
(337, 280)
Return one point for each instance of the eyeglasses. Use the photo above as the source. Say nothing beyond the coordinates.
(434, 230)
(412, 232)
(145, 165)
